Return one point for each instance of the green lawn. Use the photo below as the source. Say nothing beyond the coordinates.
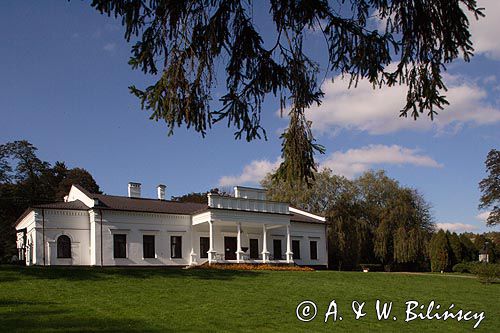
(114, 299)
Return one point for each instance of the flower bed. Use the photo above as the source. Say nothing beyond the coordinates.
(254, 267)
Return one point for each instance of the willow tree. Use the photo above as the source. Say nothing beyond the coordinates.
(404, 230)
(371, 219)
(180, 43)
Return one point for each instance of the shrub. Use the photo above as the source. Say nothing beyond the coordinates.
(487, 273)
(464, 267)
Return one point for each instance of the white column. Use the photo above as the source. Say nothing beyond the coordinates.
(289, 253)
(192, 255)
(211, 251)
(265, 252)
(239, 252)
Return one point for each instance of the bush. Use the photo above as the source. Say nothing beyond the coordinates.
(464, 267)
(487, 273)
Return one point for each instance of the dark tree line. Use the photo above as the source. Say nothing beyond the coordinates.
(447, 249)
(373, 220)
(25, 180)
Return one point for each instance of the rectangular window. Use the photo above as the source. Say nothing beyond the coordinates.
(314, 250)
(120, 246)
(277, 249)
(204, 246)
(296, 249)
(148, 246)
(254, 249)
(175, 246)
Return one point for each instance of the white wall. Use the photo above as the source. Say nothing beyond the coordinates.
(83, 228)
(135, 225)
(306, 232)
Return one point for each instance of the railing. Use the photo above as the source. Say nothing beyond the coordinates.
(250, 205)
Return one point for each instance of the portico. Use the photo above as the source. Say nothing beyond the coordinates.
(241, 242)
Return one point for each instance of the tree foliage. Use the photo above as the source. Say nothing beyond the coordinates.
(180, 43)
(469, 250)
(457, 249)
(372, 219)
(490, 188)
(25, 180)
(440, 252)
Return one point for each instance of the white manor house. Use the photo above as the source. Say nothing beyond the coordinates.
(106, 230)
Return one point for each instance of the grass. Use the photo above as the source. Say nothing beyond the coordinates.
(176, 300)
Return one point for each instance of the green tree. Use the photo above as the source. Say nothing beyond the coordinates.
(76, 176)
(196, 197)
(490, 188)
(25, 180)
(470, 253)
(181, 43)
(370, 219)
(457, 251)
(440, 252)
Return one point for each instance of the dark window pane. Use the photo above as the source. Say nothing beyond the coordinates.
(277, 249)
(254, 249)
(119, 246)
(148, 246)
(175, 246)
(296, 249)
(63, 247)
(314, 250)
(204, 246)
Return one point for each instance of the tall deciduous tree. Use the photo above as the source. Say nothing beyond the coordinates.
(490, 188)
(371, 219)
(181, 43)
(25, 180)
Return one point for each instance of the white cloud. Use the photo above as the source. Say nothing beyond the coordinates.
(485, 30)
(252, 173)
(109, 47)
(483, 216)
(356, 161)
(456, 227)
(349, 163)
(376, 111)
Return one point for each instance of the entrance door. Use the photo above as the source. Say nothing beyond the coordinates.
(254, 248)
(277, 249)
(230, 248)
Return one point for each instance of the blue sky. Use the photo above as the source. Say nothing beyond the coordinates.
(63, 86)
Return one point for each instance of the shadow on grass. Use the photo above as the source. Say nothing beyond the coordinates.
(13, 273)
(21, 316)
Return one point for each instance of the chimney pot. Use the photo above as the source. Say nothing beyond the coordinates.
(134, 190)
(160, 189)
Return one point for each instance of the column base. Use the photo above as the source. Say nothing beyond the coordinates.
(211, 256)
(239, 255)
(265, 256)
(289, 257)
(192, 259)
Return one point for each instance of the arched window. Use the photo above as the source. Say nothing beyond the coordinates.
(63, 247)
